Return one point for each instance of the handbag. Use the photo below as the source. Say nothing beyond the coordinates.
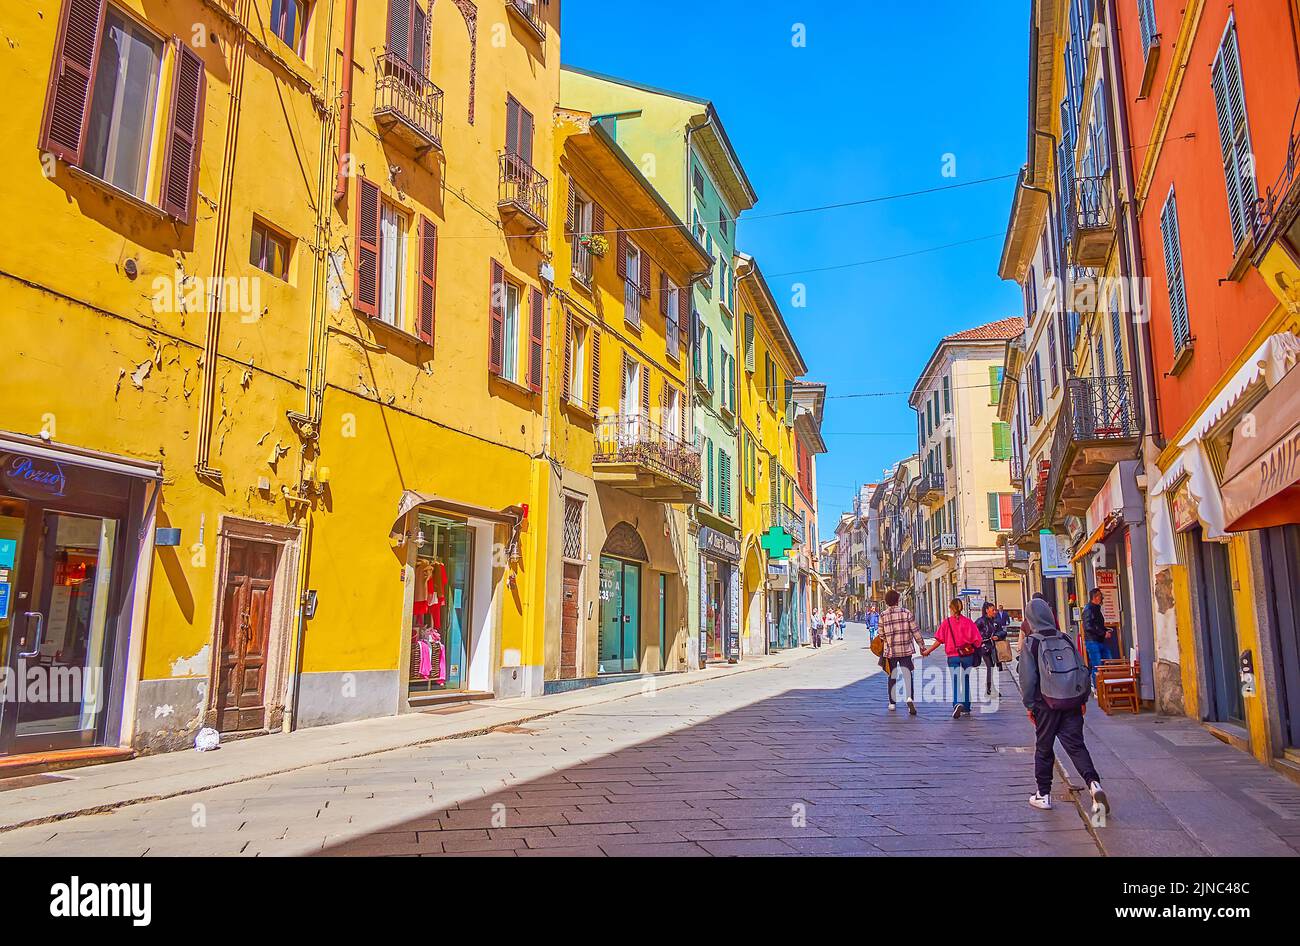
(1002, 650)
(878, 645)
(963, 650)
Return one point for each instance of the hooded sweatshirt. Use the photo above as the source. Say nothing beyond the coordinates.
(1041, 621)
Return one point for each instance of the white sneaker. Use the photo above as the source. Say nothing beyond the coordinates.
(1099, 799)
(1044, 802)
(893, 706)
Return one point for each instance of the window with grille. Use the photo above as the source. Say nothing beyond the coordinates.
(574, 518)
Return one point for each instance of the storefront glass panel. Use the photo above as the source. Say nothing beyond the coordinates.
(440, 614)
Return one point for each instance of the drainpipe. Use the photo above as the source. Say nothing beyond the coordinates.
(345, 101)
(1151, 401)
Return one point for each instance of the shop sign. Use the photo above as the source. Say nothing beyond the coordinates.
(4, 600)
(1108, 585)
(33, 477)
(1055, 552)
(719, 544)
(8, 552)
(1183, 508)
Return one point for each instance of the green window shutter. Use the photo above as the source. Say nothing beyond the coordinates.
(947, 451)
(708, 455)
(749, 342)
(1001, 441)
(789, 403)
(947, 395)
(724, 482)
(708, 341)
(995, 383)
(994, 514)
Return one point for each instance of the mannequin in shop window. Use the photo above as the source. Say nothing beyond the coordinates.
(428, 612)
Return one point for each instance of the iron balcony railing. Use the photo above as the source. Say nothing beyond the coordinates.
(405, 95)
(946, 542)
(1094, 206)
(1095, 410)
(1016, 470)
(632, 438)
(782, 516)
(929, 485)
(922, 558)
(528, 13)
(1276, 196)
(522, 187)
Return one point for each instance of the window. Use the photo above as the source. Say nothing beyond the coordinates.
(576, 362)
(1234, 135)
(580, 226)
(269, 251)
(708, 344)
(512, 296)
(995, 383)
(392, 267)
(749, 342)
(671, 421)
(1116, 335)
(724, 482)
(1036, 385)
(1174, 274)
(708, 471)
(723, 224)
(1001, 441)
(697, 181)
(1051, 355)
(1000, 512)
(632, 284)
(672, 324)
(119, 126)
(289, 22)
(575, 519)
(519, 130)
(947, 395)
(1147, 25)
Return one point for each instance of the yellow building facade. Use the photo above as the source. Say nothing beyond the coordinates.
(625, 464)
(272, 437)
(769, 364)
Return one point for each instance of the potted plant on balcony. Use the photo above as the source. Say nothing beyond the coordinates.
(595, 244)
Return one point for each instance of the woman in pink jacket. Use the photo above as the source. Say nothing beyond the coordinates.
(961, 641)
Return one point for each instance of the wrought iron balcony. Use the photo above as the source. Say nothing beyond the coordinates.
(944, 544)
(1092, 225)
(922, 560)
(407, 104)
(640, 457)
(782, 516)
(929, 488)
(1026, 518)
(522, 191)
(1098, 425)
(527, 13)
(1016, 470)
(1274, 211)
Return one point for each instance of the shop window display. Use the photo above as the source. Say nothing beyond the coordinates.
(441, 607)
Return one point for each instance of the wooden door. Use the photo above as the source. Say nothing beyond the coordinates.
(570, 616)
(246, 625)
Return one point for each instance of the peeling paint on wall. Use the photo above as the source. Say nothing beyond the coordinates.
(196, 666)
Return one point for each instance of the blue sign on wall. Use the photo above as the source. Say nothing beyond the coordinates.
(8, 549)
(4, 600)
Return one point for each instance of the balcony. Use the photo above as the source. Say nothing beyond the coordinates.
(1026, 519)
(640, 457)
(407, 105)
(1097, 426)
(522, 192)
(1092, 228)
(922, 560)
(782, 516)
(944, 546)
(929, 488)
(526, 12)
(1016, 470)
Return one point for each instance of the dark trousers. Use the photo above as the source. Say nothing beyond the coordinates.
(1067, 726)
(990, 664)
(892, 667)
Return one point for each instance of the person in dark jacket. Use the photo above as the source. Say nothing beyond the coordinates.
(1052, 724)
(990, 630)
(1097, 636)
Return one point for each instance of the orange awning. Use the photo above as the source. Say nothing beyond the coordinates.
(1097, 535)
(1262, 478)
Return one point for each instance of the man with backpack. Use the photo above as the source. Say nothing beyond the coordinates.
(1054, 684)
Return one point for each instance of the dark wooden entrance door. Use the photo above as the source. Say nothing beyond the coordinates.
(1220, 633)
(1282, 554)
(570, 617)
(246, 627)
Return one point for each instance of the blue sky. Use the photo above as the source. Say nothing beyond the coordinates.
(871, 106)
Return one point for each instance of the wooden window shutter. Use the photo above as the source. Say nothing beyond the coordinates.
(664, 420)
(512, 125)
(749, 342)
(566, 388)
(663, 293)
(789, 403)
(595, 371)
(421, 31)
(428, 290)
(1007, 509)
(994, 510)
(184, 136)
(681, 409)
(400, 21)
(620, 254)
(643, 258)
(597, 218)
(645, 391)
(72, 74)
(365, 295)
(536, 338)
(526, 135)
(497, 312)
(571, 215)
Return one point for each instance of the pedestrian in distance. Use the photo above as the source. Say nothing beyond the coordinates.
(1097, 636)
(900, 633)
(1054, 687)
(961, 641)
(839, 622)
(991, 631)
(873, 624)
(815, 626)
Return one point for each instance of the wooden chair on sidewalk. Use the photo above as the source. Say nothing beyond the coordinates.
(1117, 686)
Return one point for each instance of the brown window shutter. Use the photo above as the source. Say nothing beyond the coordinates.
(571, 216)
(512, 125)
(72, 74)
(566, 390)
(496, 328)
(428, 279)
(595, 371)
(645, 391)
(663, 405)
(365, 295)
(624, 408)
(644, 257)
(620, 254)
(400, 19)
(597, 218)
(536, 340)
(526, 135)
(663, 293)
(184, 136)
(681, 408)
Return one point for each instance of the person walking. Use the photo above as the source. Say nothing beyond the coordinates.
(900, 633)
(1097, 636)
(991, 631)
(961, 642)
(873, 624)
(815, 626)
(1053, 685)
(839, 620)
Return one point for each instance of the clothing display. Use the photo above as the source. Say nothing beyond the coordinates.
(439, 596)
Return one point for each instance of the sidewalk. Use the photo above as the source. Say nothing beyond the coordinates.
(1177, 791)
(167, 775)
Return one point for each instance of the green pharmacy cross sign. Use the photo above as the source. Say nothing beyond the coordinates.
(777, 542)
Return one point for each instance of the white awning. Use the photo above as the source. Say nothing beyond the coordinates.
(1271, 361)
(105, 462)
